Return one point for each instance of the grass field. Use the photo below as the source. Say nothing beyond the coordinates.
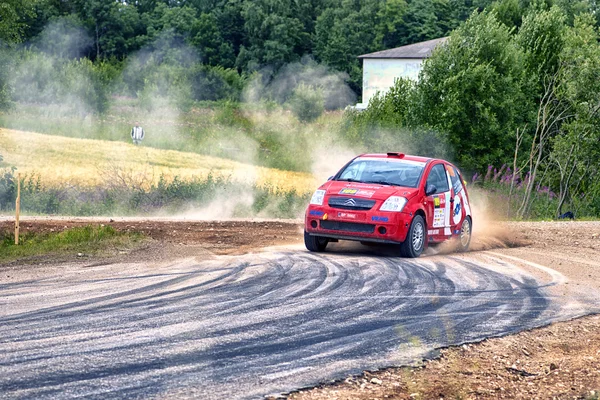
(87, 240)
(252, 135)
(60, 160)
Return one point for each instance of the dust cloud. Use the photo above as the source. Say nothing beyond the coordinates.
(224, 206)
(35, 80)
(278, 86)
(489, 231)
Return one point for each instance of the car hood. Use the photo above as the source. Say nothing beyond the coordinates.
(367, 190)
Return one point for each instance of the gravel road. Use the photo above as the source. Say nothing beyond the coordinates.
(246, 326)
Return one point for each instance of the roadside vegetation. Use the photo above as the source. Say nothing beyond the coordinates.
(514, 98)
(138, 192)
(81, 240)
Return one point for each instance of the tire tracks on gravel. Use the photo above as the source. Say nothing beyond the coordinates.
(248, 326)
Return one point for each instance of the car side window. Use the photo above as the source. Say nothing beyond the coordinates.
(455, 178)
(437, 177)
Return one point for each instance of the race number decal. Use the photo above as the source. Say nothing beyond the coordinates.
(457, 210)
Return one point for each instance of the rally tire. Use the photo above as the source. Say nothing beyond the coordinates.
(315, 243)
(414, 244)
(464, 239)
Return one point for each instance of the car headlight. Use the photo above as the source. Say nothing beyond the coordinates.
(317, 198)
(393, 203)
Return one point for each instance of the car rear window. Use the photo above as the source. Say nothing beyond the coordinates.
(383, 171)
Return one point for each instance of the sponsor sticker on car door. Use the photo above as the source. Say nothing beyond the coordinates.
(440, 209)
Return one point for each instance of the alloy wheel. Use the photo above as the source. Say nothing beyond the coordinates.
(417, 237)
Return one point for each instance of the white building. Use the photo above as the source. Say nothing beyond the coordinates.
(380, 69)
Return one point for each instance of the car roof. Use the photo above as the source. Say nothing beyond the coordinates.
(398, 156)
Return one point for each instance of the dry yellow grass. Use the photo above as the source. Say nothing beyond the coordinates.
(61, 160)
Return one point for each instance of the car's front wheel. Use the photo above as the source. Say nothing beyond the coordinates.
(414, 244)
(315, 243)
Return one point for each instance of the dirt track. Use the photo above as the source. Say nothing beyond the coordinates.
(232, 236)
(561, 361)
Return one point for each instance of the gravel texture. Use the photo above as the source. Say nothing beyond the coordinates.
(202, 312)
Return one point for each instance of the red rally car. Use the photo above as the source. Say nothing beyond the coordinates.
(391, 198)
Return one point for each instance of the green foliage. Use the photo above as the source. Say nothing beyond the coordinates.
(389, 123)
(575, 154)
(207, 38)
(12, 13)
(8, 188)
(509, 12)
(142, 37)
(231, 114)
(391, 20)
(278, 205)
(77, 84)
(215, 83)
(391, 109)
(490, 81)
(307, 103)
(166, 195)
(88, 239)
(422, 22)
(470, 91)
(497, 183)
(541, 37)
(342, 33)
(274, 34)
(6, 66)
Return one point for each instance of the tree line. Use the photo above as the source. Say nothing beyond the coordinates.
(247, 35)
(242, 34)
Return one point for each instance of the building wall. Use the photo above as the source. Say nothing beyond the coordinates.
(379, 74)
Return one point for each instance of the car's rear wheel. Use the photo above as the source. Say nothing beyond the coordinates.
(465, 235)
(414, 244)
(315, 243)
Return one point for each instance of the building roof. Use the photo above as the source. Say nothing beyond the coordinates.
(415, 50)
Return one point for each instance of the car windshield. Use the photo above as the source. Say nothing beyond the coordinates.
(383, 171)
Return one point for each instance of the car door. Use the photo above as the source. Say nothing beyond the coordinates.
(438, 205)
(460, 206)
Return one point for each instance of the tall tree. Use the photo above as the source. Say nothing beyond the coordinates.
(470, 91)
(206, 36)
(275, 35)
(576, 150)
(344, 32)
(390, 22)
(421, 22)
(541, 37)
(12, 14)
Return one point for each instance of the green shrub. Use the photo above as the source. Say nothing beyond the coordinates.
(215, 83)
(88, 239)
(8, 188)
(307, 103)
(6, 65)
(41, 79)
(165, 196)
(231, 114)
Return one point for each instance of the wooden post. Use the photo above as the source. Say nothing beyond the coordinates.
(17, 209)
